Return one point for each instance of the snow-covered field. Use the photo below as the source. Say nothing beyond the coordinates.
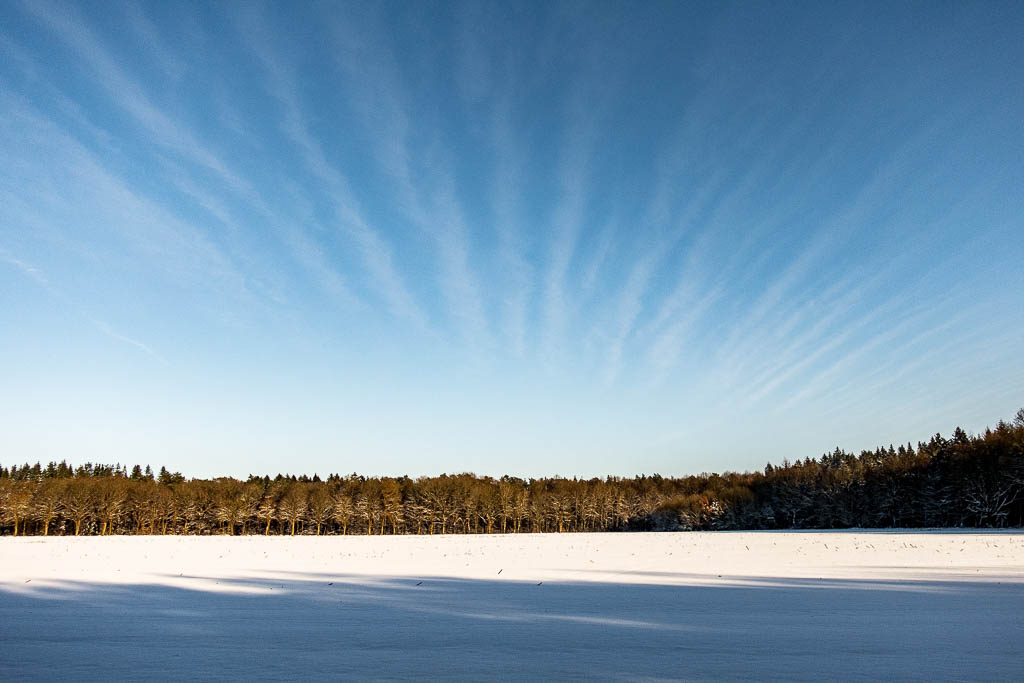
(758, 605)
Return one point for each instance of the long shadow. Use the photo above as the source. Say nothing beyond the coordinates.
(334, 626)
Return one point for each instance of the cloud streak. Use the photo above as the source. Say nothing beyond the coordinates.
(528, 221)
(40, 278)
(383, 113)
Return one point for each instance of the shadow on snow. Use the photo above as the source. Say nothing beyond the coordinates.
(335, 626)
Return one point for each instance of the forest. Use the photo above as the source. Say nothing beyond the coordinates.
(963, 481)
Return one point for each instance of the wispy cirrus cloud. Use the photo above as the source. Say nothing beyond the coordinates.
(152, 39)
(566, 224)
(40, 278)
(128, 93)
(519, 272)
(648, 219)
(458, 280)
(26, 268)
(377, 254)
(507, 189)
(181, 247)
(430, 200)
(629, 308)
(106, 329)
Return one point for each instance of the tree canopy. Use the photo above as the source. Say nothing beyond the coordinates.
(962, 481)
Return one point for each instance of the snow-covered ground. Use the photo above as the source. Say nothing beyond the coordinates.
(758, 605)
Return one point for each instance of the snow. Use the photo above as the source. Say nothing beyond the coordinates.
(754, 605)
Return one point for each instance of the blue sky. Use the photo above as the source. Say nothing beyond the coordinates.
(526, 238)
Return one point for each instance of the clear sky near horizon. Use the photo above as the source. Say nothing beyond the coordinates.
(529, 238)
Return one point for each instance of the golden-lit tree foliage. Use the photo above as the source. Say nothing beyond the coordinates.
(961, 481)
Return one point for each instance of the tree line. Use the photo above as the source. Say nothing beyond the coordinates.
(962, 481)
